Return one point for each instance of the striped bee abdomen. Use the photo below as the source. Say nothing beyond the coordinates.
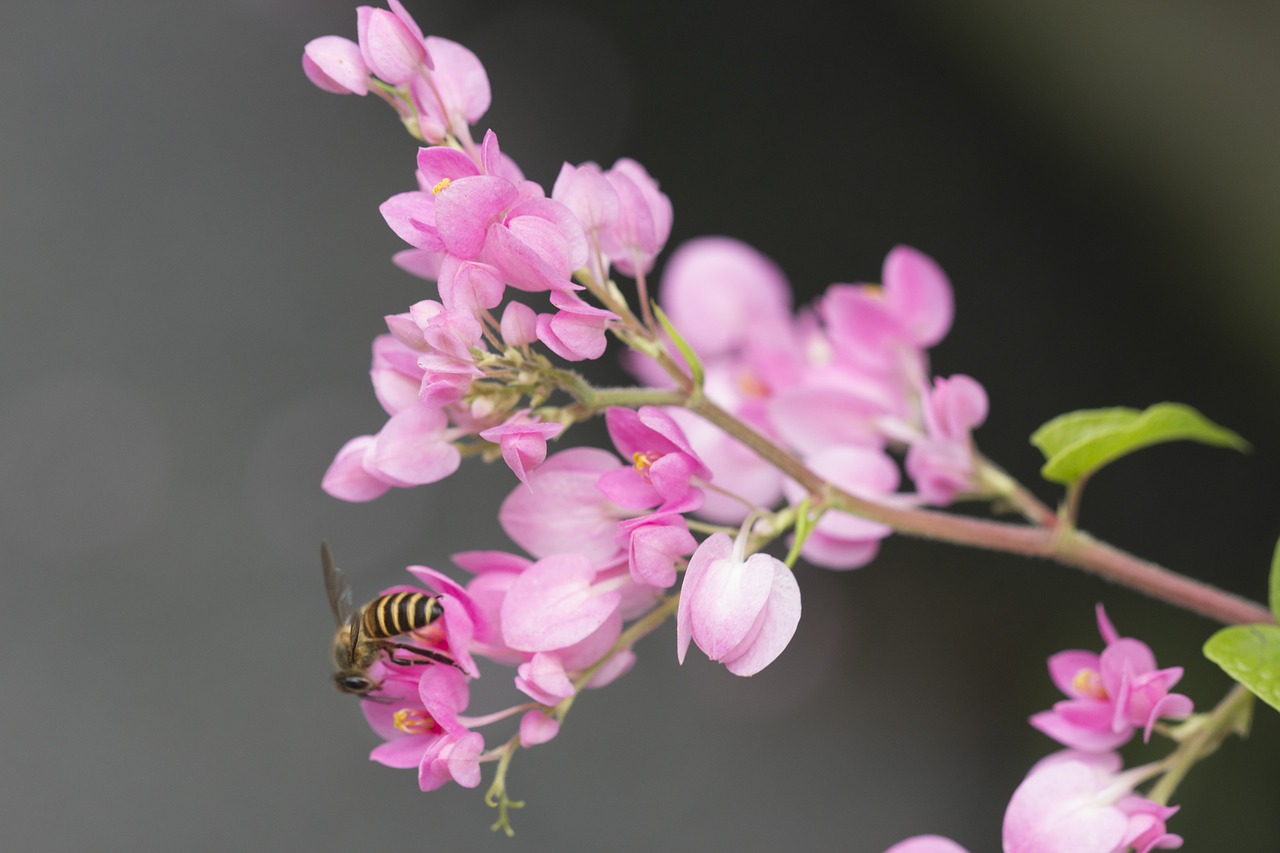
(400, 613)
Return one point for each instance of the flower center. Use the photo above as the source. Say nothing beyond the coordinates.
(415, 721)
(1088, 682)
(751, 385)
(440, 187)
(644, 460)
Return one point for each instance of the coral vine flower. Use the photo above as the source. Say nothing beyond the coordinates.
(560, 510)
(523, 441)
(1077, 802)
(741, 611)
(926, 844)
(1111, 695)
(663, 460)
(941, 464)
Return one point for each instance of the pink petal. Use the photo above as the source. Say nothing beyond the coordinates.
(552, 604)
(716, 547)
(781, 616)
(403, 752)
(537, 727)
(390, 48)
(730, 598)
(919, 293)
(926, 844)
(347, 479)
(334, 64)
(411, 448)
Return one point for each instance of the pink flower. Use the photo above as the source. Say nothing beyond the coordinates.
(523, 442)
(555, 603)
(840, 540)
(390, 48)
(719, 292)
(1077, 802)
(663, 460)
(414, 447)
(941, 464)
(454, 757)
(741, 612)
(454, 95)
(408, 724)
(885, 328)
(561, 510)
(577, 331)
(926, 844)
(336, 65)
(653, 543)
(1111, 695)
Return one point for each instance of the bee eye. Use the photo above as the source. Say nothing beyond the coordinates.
(354, 683)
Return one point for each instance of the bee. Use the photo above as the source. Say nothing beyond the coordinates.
(365, 633)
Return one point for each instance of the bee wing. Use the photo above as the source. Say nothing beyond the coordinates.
(339, 590)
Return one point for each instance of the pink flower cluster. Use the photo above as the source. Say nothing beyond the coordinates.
(605, 538)
(839, 385)
(1079, 800)
(477, 227)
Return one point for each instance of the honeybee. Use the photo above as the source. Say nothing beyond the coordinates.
(365, 633)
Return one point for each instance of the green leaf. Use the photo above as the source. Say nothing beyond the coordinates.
(1275, 583)
(1251, 655)
(1079, 443)
(690, 357)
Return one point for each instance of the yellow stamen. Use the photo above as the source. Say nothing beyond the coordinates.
(644, 461)
(440, 187)
(414, 721)
(1089, 683)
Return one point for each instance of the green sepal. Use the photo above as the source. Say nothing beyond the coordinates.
(1251, 655)
(690, 357)
(1274, 597)
(1079, 443)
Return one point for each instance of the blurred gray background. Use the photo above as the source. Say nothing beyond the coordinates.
(193, 267)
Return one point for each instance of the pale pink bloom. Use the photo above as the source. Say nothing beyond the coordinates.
(519, 324)
(577, 331)
(469, 285)
(547, 677)
(396, 376)
(561, 510)
(347, 477)
(420, 262)
(390, 48)
(413, 448)
(941, 463)
(495, 572)
(926, 844)
(585, 191)
(1111, 695)
(644, 220)
(840, 540)
(408, 724)
(662, 460)
(453, 757)
(523, 442)
(454, 95)
(537, 727)
(555, 603)
(336, 65)
(654, 543)
(741, 611)
(1078, 802)
(719, 292)
(537, 244)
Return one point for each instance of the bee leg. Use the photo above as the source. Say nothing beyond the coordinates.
(431, 657)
